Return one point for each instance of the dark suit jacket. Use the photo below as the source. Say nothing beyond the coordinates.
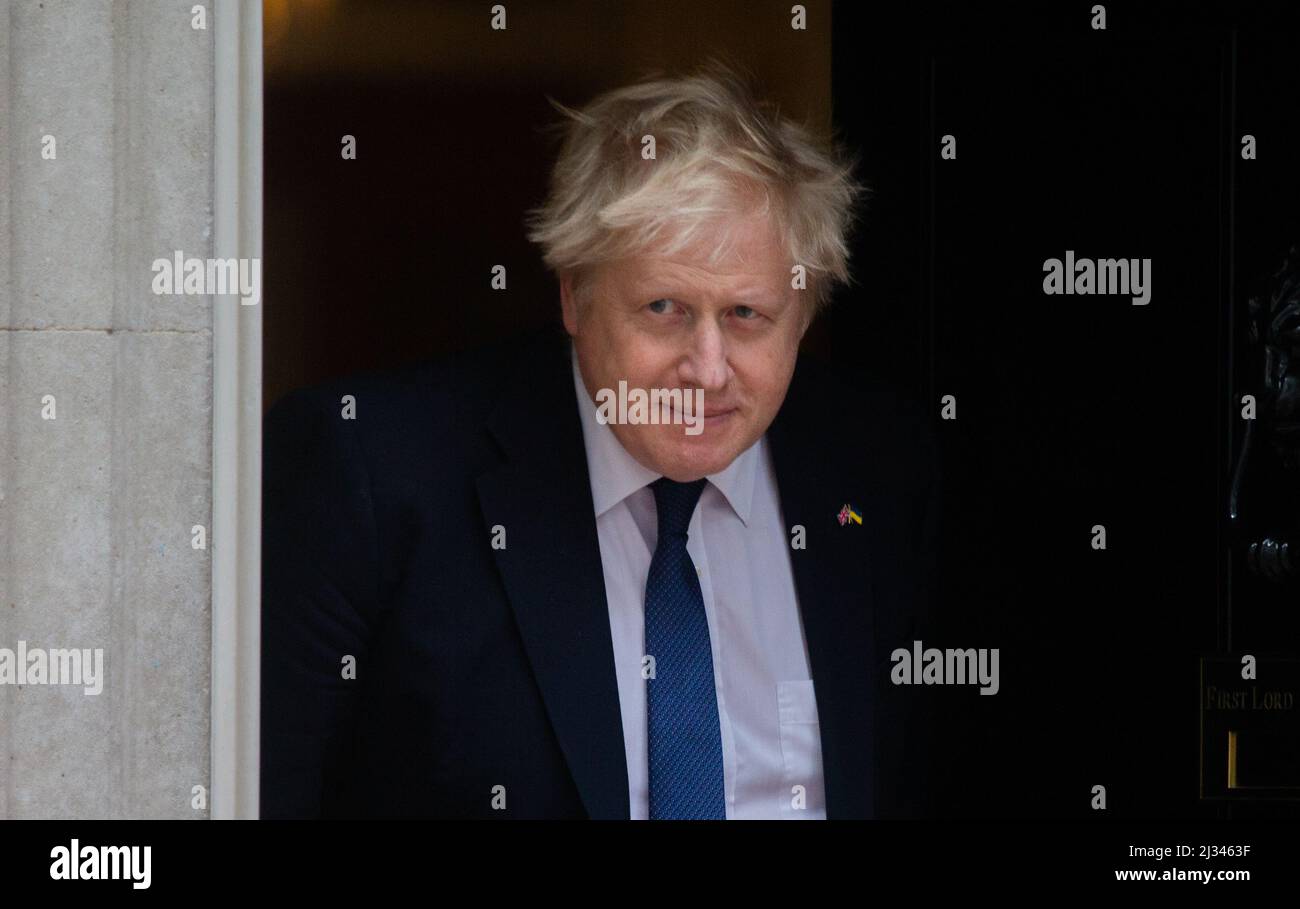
(479, 667)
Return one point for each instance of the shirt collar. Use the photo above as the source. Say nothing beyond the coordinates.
(615, 474)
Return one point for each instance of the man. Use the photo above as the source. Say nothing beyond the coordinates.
(492, 589)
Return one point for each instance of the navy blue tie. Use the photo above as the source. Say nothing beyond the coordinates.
(684, 736)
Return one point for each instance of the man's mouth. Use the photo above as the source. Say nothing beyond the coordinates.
(709, 418)
(708, 414)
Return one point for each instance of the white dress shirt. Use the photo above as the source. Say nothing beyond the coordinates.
(739, 544)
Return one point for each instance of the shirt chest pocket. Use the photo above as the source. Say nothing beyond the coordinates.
(801, 749)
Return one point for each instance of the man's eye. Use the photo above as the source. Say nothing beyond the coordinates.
(745, 312)
(661, 306)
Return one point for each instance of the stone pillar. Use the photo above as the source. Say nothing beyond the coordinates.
(98, 503)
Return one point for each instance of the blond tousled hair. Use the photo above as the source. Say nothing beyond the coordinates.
(720, 153)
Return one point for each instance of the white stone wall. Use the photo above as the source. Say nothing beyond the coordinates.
(97, 505)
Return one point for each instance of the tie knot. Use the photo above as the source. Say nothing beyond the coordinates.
(675, 503)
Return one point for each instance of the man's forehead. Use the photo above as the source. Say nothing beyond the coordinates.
(737, 264)
(735, 275)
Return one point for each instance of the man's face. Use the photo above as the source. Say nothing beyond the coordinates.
(731, 329)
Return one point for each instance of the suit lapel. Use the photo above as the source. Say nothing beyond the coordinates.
(551, 568)
(815, 476)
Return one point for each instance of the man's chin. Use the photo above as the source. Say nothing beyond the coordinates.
(694, 457)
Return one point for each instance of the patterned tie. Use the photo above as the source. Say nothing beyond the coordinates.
(685, 741)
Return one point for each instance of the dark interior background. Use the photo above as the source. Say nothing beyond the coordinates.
(1072, 410)
(388, 257)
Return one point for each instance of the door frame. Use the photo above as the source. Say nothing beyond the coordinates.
(236, 416)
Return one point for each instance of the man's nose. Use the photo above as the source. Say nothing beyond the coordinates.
(705, 364)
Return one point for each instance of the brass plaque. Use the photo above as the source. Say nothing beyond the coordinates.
(1250, 729)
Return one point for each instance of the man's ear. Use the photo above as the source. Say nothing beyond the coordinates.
(809, 313)
(569, 303)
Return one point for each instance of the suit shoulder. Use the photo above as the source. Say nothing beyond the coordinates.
(460, 387)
